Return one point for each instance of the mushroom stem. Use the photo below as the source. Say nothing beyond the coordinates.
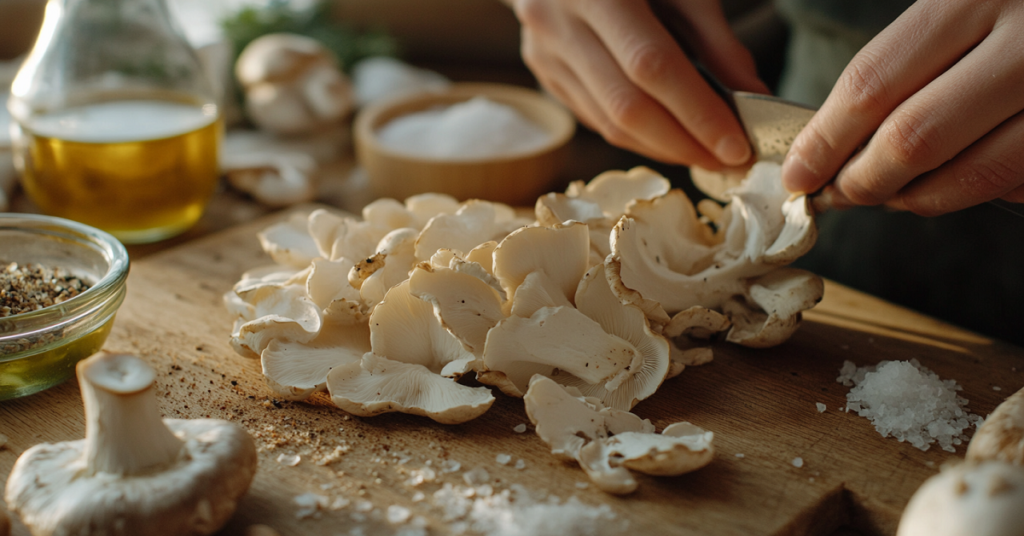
(124, 431)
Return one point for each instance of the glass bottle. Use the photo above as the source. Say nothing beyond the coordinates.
(115, 123)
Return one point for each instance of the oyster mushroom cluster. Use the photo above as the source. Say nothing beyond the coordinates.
(607, 290)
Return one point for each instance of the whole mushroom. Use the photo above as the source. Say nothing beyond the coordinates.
(134, 473)
(293, 84)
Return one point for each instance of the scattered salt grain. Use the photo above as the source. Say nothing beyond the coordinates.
(477, 128)
(450, 466)
(996, 388)
(291, 460)
(739, 455)
(398, 515)
(820, 406)
(309, 505)
(503, 459)
(582, 485)
(420, 476)
(364, 506)
(419, 496)
(905, 400)
(339, 503)
(518, 512)
(519, 428)
(520, 464)
(476, 476)
(797, 462)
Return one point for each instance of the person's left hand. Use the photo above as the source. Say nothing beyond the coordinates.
(936, 101)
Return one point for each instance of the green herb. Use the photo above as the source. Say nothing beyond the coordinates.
(349, 43)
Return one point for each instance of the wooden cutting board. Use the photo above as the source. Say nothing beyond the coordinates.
(759, 403)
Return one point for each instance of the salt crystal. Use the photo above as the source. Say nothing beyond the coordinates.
(364, 506)
(996, 388)
(339, 502)
(582, 485)
(798, 462)
(476, 476)
(291, 460)
(450, 466)
(907, 401)
(420, 476)
(419, 496)
(398, 515)
(309, 504)
(503, 459)
(519, 428)
(477, 128)
(820, 406)
(358, 517)
(520, 464)
(739, 455)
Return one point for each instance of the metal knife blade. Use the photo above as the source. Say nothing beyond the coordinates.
(771, 123)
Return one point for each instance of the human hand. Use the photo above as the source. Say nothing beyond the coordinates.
(936, 101)
(617, 67)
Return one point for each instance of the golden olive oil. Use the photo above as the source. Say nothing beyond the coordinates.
(142, 170)
(53, 364)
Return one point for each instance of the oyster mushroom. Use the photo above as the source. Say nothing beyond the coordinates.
(276, 310)
(608, 443)
(289, 242)
(274, 180)
(377, 385)
(134, 473)
(293, 84)
(389, 266)
(665, 259)
(559, 253)
(466, 306)
(404, 328)
(475, 223)
(595, 299)
(296, 370)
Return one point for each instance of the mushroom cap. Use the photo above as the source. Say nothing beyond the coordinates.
(464, 304)
(378, 385)
(404, 328)
(968, 499)
(615, 190)
(595, 299)
(607, 442)
(779, 297)
(561, 252)
(289, 242)
(280, 57)
(196, 495)
(295, 370)
(473, 224)
(1001, 437)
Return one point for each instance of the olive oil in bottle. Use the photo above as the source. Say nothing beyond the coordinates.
(141, 170)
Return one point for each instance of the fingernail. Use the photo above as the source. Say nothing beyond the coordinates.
(732, 150)
(797, 176)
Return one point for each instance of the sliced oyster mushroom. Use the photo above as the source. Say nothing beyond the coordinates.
(403, 328)
(377, 385)
(464, 304)
(475, 223)
(607, 443)
(289, 242)
(561, 253)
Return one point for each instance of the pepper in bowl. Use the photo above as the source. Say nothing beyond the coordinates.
(61, 283)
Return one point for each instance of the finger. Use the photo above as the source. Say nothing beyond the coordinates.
(885, 73)
(568, 88)
(942, 119)
(538, 39)
(654, 63)
(991, 168)
(719, 48)
(1015, 196)
(631, 110)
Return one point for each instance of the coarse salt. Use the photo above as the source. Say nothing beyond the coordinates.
(797, 462)
(503, 459)
(821, 407)
(519, 428)
(475, 129)
(905, 400)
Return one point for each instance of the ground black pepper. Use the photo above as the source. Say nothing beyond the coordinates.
(30, 287)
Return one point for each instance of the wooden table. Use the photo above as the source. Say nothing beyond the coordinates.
(759, 403)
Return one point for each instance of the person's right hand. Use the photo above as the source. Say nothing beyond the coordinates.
(617, 67)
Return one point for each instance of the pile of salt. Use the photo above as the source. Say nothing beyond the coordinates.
(475, 129)
(907, 401)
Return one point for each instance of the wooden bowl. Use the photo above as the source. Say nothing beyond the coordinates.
(516, 180)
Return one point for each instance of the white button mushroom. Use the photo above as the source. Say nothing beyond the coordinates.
(979, 499)
(1002, 435)
(134, 473)
(292, 84)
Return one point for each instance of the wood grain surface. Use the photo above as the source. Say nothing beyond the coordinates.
(759, 403)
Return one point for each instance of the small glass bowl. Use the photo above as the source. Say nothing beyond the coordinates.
(39, 349)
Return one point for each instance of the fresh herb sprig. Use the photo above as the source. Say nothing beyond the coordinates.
(349, 43)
